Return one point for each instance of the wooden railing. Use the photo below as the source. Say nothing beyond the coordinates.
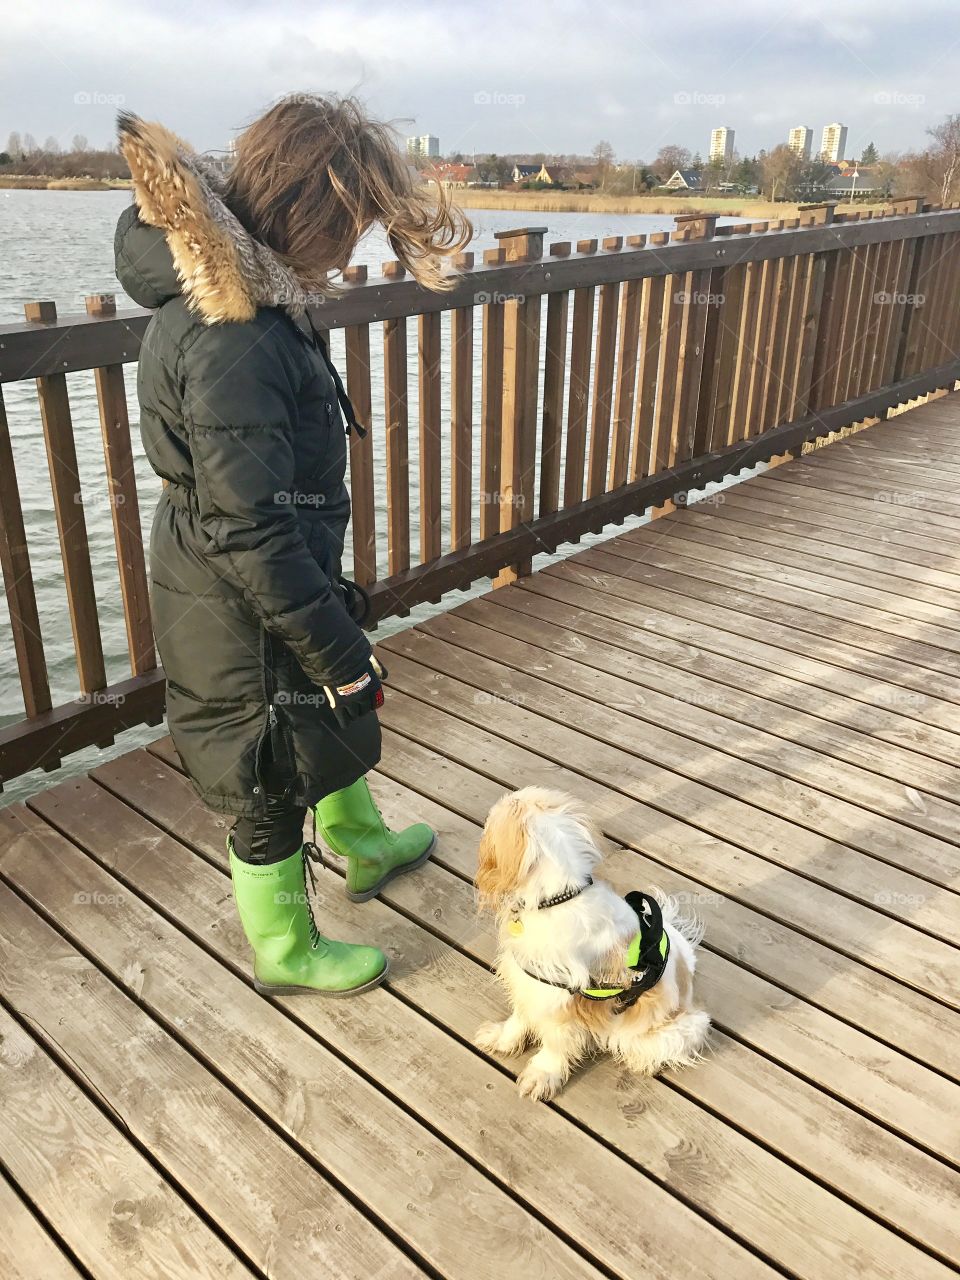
(602, 380)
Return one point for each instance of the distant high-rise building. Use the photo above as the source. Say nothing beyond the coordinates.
(834, 142)
(721, 145)
(800, 141)
(426, 147)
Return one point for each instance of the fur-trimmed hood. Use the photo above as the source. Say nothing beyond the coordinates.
(184, 239)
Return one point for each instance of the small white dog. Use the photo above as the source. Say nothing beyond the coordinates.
(584, 967)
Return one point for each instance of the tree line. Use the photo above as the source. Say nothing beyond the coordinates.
(23, 155)
(933, 172)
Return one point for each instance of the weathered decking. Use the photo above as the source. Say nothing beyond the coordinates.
(760, 699)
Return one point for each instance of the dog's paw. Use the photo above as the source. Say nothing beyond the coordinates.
(539, 1085)
(497, 1037)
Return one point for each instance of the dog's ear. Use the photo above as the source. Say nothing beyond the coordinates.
(502, 851)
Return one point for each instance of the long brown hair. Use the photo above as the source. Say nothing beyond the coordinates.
(314, 173)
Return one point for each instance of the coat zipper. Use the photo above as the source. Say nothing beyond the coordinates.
(270, 715)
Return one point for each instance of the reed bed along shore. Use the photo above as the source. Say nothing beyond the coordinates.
(594, 202)
(38, 182)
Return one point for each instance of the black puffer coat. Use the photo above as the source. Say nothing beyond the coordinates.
(242, 419)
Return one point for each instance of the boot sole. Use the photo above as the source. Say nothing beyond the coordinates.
(271, 989)
(392, 875)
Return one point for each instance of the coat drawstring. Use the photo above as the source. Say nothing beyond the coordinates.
(346, 404)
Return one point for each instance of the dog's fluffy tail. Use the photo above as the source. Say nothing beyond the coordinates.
(688, 925)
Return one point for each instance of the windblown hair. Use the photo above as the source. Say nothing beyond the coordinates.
(314, 173)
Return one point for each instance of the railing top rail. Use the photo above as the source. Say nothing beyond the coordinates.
(77, 342)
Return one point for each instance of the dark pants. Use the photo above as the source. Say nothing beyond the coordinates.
(279, 833)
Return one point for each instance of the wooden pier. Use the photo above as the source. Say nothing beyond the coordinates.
(757, 695)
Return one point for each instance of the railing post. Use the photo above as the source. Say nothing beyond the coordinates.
(814, 348)
(124, 503)
(521, 351)
(68, 509)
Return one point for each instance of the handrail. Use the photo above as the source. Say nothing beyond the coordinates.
(692, 356)
(73, 343)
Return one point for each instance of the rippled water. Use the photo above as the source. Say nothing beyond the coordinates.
(59, 245)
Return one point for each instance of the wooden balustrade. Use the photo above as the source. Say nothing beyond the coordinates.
(598, 381)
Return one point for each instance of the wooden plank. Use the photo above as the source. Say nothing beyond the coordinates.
(491, 418)
(587, 1102)
(607, 311)
(521, 379)
(461, 426)
(26, 1250)
(551, 429)
(744, 352)
(886, 573)
(814, 1131)
(64, 473)
(880, 590)
(469, 993)
(881, 710)
(270, 1194)
(625, 395)
(786, 340)
(117, 1216)
(763, 352)
(362, 484)
(704, 409)
(838, 1064)
(740, 801)
(814, 603)
(124, 505)
(382, 1155)
(18, 585)
(722, 699)
(651, 329)
(817, 510)
(581, 359)
(517, 468)
(742, 909)
(915, 692)
(538, 1148)
(845, 644)
(397, 444)
(663, 447)
(430, 436)
(934, 517)
(729, 322)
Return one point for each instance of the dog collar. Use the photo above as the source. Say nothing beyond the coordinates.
(646, 958)
(515, 924)
(565, 896)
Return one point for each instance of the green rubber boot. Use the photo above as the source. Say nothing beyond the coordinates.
(351, 825)
(290, 954)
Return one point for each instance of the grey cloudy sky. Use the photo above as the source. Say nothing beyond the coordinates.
(491, 76)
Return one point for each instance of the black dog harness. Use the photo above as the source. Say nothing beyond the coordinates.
(646, 957)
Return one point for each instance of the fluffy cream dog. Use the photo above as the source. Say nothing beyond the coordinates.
(584, 967)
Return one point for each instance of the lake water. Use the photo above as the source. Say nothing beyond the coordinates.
(59, 245)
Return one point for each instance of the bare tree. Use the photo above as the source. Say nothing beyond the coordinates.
(51, 146)
(945, 155)
(79, 143)
(603, 157)
(14, 147)
(780, 172)
(29, 144)
(669, 159)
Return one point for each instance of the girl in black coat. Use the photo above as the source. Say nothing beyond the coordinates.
(272, 687)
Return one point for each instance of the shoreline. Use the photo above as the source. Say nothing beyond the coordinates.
(591, 202)
(31, 182)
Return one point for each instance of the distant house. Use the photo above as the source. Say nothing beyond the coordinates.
(684, 180)
(855, 182)
(451, 176)
(526, 172)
